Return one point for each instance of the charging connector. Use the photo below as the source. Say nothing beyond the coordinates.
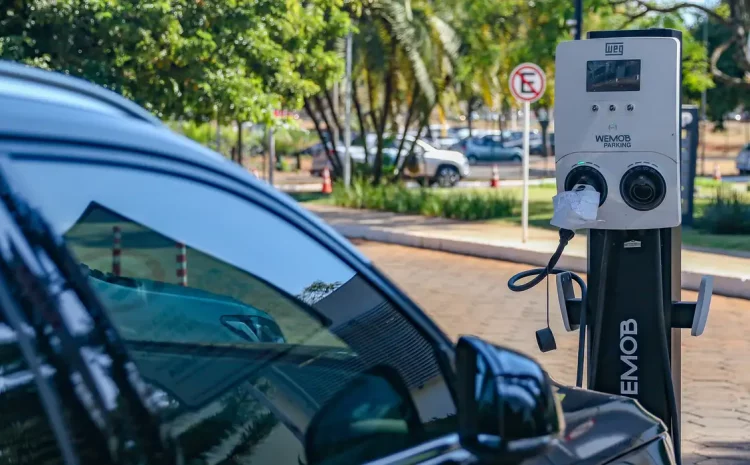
(545, 339)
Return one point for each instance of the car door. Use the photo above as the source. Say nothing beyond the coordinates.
(258, 328)
(484, 149)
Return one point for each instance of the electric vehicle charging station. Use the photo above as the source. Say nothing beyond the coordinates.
(618, 135)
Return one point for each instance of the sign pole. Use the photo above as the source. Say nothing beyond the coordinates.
(271, 154)
(525, 206)
(527, 84)
(348, 113)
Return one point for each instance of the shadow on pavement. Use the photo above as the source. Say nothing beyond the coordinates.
(385, 218)
(719, 452)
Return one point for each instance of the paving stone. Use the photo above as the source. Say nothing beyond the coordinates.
(468, 295)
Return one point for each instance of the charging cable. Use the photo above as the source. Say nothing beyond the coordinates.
(539, 275)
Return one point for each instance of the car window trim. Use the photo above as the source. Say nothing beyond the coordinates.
(426, 327)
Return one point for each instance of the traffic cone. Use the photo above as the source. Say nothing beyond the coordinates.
(495, 181)
(717, 172)
(327, 186)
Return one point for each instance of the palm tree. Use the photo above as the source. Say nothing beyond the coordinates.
(403, 51)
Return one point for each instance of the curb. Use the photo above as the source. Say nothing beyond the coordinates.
(726, 286)
(316, 187)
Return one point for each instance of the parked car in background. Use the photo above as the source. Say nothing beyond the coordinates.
(459, 133)
(515, 139)
(551, 138)
(488, 149)
(743, 160)
(430, 164)
(356, 152)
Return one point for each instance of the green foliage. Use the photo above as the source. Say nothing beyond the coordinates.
(728, 213)
(187, 59)
(722, 98)
(456, 204)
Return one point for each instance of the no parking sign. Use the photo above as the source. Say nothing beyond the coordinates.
(527, 82)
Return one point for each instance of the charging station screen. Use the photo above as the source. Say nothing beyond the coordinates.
(613, 76)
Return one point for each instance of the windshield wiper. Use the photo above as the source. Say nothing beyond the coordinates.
(47, 313)
(11, 313)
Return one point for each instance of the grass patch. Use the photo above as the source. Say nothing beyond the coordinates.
(727, 213)
(708, 182)
(721, 222)
(473, 204)
(311, 197)
(696, 238)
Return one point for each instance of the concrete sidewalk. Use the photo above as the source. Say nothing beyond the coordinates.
(502, 241)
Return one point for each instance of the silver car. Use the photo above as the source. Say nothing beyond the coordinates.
(743, 160)
(489, 149)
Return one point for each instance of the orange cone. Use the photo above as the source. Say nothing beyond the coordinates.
(327, 186)
(717, 172)
(495, 181)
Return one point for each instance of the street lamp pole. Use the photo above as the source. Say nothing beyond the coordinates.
(348, 113)
(579, 18)
(704, 104)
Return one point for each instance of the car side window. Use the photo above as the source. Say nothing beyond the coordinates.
(257, 336)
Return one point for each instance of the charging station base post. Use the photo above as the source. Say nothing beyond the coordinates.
(637, 287)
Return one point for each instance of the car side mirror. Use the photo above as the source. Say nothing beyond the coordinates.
(507, 409)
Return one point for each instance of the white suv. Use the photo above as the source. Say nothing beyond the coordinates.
(431, 165)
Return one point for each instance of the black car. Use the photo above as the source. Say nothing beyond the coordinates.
(198, 316)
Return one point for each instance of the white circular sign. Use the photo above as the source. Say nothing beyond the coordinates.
(527, 82)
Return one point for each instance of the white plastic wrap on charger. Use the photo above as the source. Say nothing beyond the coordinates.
(576, 208)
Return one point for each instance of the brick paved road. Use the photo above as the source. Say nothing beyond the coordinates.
(469, 295)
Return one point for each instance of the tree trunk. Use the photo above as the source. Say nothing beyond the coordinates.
(335, 160)
(316, 123)
(362, 125)
(378, 171)
(239, 142)
(409, 156)
(334, 116)
(409, 114)
(471, 102)
(373, 113)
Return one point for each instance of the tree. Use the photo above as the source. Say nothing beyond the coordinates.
(230, 60)
(316, 291)
(732, 15)
(722, 97)
(402, 53)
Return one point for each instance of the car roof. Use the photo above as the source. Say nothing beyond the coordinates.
(40, 105)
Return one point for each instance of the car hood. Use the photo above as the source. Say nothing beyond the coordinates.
(600, 427)
(446, 155)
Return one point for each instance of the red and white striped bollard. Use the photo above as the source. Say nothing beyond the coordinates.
(116, 250)
(182, 276)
